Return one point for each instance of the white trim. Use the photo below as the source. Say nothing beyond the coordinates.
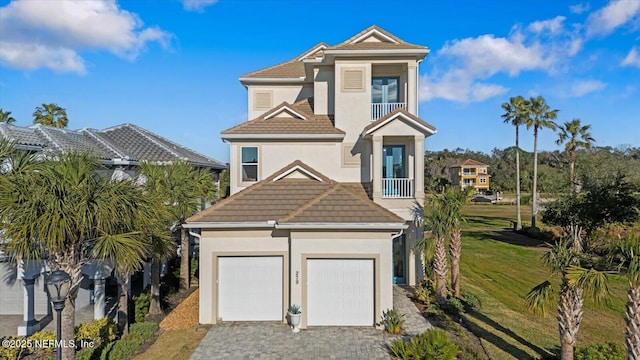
(283, 136)
(229, 225)
(275, 80)
(313, 61)
(298, 168)
(321, 46)
(371, 32)
(377, 52)
(284, 108)
(405, 117)
(339, 226)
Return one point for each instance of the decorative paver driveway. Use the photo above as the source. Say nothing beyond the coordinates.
(260, 340)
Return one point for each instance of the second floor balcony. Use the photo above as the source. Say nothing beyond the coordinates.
(379, 110)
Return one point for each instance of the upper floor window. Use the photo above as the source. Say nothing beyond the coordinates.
(249, 163)
(483, 180)
(469, 171)
(384, 90)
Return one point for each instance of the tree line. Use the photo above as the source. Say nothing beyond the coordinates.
(45, 114)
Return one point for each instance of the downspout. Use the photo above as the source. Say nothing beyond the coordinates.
(397, 235)
(418, 86)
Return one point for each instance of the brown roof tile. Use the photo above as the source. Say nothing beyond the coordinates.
(313, 124)
(393, 114)
(291, 201)
(469, 162)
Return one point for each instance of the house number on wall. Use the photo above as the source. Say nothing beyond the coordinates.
(297, 277)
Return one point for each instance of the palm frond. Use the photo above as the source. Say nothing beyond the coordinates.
(540, 297)
(593, 283)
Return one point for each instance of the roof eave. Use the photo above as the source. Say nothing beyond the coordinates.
(259, 80)
(423, 52)
(270, 224)
(343, 226)
(282, 136)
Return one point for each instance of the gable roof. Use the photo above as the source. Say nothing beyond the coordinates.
(306, 124)
(403, 115)
(294, 70)
(123, 142)
(469, 162)
(283, 201)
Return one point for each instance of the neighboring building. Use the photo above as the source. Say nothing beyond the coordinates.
(121, 149)
(327, 188)
(470, 173)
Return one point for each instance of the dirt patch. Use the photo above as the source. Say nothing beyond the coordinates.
(185, 315)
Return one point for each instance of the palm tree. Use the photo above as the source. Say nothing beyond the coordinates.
(437, 221)
(156, 184)
(576, 137)
(64, 210)
(187, 190)
(5, 117)
(516, 115)
(627, 251)
(563, 259)
(51, 115)
(539, 116)
(455, 199)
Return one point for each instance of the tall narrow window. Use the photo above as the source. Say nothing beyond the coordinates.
(384, 90)
(250, 164)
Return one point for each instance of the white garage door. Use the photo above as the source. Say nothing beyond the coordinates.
(250, 288)
(340, 292)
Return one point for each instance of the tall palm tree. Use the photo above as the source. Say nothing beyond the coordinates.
(627, 251)
(515, 114)
(63, 209)
(455, 199)
(51, 115)
(563, 259)
(437, 222)
(576, 137)
(539, 116)
(5, 117)
(188, 189)
(156, 184)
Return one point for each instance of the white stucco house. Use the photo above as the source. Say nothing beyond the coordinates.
(325, 180)
(121, 149)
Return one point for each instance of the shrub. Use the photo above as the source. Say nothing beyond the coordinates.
(423, 294)
(10, 353)
(40, 337)
(142, 306)
(121, 350)
(194, 268)
(470, 301)
(392, 321)
(433, 344)
(453, 306)
(143, 331)
(606, 351)
(433, 310)
(99, 331)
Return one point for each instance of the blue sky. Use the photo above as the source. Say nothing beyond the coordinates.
(172, 66)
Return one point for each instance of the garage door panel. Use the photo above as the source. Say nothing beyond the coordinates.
(250, 288)
(340, 292)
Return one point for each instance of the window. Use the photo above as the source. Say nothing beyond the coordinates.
(384, 90)
(249, 164)
(469, 171)
(483, 180)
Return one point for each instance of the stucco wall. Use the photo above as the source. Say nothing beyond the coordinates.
(280, 93)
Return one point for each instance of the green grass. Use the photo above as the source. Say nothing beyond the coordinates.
(501, 272)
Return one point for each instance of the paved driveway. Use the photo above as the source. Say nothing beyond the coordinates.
(247, 340)
(259, 340)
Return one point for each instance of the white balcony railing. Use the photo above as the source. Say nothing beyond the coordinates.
(379, 110)
(397, 188)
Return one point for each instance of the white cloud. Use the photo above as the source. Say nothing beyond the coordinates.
(553, 26)
(579, 8)
(617, 13)
(458, 88)
(197, 5)
(632, 58)
(583, 87)
(51, 34)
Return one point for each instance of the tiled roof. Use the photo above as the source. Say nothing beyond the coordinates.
(297, 200)
(295, 68)
(311, 124)
(469, 162)
(394, 114)
(126, 141)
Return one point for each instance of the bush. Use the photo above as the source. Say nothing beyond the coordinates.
(99, 331)
(10, 353)
(537, 233)
(392, 321)
(453, 306)
(423, 294)
(143, 331)
(433, 310)
(469, 301)
(122, 349)
(433, 344)
(40, 337)
(194, 268)
(142, 306)
(606, 351)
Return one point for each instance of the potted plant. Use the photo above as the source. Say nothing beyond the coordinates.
(294, 314)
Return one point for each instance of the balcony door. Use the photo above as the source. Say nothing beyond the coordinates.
(394, 170)
(385, 90)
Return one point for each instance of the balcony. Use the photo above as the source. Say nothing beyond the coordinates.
(397, 188)
(379, 110)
